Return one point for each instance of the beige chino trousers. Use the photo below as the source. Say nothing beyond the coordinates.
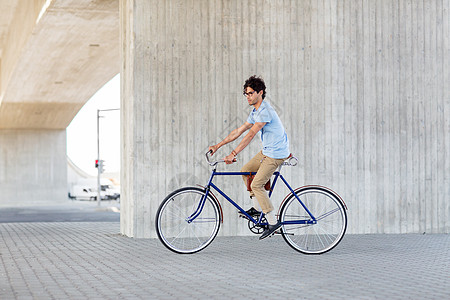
(265, 167)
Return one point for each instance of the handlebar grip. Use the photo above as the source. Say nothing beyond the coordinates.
(291, 161)
(213, 163)
(208, 160)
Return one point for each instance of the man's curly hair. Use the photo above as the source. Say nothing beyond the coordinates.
(257, 84)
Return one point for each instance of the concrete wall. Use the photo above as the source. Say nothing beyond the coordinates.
(33, 167)
(362, 88)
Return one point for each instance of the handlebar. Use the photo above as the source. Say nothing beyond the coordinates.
(212, 163)
(291, 161)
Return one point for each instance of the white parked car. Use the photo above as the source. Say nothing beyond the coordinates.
(86, 189)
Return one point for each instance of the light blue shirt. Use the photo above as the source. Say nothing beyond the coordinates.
(273, 136)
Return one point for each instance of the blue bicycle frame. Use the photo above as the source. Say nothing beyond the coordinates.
(277, 175)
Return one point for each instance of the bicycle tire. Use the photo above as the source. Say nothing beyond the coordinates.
(329, 211)
(172, 227)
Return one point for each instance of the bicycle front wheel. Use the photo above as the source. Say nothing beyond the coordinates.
(304, 234)
(172, 225)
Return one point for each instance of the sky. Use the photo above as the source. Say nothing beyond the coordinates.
(82, 131)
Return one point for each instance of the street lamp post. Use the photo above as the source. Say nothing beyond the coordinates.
(99, 161)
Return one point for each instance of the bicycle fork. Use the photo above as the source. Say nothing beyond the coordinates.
(201, 204)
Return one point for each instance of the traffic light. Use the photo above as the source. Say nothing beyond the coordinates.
(101, 166)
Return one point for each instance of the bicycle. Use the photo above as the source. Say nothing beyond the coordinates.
(314, 218)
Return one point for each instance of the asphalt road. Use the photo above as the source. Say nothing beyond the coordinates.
(72, 211)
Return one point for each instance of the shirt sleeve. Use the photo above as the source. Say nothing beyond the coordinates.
(263, 116)
(250, 119)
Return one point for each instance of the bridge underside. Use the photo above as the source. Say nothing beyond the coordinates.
(53, 64)
(54, 55)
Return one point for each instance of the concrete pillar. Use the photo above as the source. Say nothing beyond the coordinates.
(354, 83)
(33, 167)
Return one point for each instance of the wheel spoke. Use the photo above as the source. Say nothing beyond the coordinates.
(173, 229)
(328, 228)
(328, 213)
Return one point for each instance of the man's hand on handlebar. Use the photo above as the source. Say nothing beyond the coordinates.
(213, 149)
(229, 159)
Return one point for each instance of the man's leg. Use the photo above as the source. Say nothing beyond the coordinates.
(265, 172)
(252, 166)
(268, 166)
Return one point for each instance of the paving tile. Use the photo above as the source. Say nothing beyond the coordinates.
(91, 261)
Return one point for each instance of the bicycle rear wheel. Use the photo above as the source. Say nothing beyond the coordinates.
(330, 214)
(172, 225)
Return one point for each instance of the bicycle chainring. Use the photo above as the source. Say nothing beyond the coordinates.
(256, 228)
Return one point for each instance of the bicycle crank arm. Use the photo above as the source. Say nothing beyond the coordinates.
(279, 232)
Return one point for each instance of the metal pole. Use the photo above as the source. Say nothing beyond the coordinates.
(98, 159)
(100, 163)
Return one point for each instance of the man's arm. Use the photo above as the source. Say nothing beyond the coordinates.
(231, 137)
(255, 128)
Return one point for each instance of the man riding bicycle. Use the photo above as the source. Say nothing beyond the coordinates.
(275, 150)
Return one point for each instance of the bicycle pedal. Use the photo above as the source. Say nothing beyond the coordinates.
(275, 232)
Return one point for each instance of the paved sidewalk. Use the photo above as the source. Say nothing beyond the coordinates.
(88, 260)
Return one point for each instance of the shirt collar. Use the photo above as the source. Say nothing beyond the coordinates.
(262, 103)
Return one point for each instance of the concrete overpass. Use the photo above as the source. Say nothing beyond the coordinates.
(361, 86)
(54, 55)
